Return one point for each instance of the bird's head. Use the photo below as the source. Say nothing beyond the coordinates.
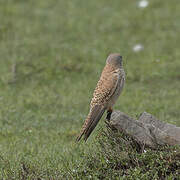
(115, 60)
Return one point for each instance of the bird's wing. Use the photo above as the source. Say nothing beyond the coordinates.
(103, 92)
(91, 121)
(105, 88)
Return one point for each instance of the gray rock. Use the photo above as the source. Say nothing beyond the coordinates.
(147, 130)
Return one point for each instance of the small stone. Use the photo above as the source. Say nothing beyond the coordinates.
(157, 60)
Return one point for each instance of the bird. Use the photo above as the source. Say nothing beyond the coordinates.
(106, 93)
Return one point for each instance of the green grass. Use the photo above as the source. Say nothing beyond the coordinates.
(59, 49)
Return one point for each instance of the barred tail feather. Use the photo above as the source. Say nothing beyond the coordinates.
(84, 127)
(91, 121)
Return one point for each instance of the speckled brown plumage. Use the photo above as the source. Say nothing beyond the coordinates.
(105, 94)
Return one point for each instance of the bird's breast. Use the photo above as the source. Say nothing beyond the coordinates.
(118, 90)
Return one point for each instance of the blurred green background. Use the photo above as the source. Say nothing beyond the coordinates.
(51, 56)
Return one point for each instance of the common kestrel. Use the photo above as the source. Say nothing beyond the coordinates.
(105, 94)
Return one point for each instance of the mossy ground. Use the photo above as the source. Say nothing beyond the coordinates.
(118, 156)
(51, 56)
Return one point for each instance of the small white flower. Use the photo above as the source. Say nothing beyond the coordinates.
(145, 151)
(143, 3)
(138, 47)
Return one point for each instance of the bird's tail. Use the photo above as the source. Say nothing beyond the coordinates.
(91, 121)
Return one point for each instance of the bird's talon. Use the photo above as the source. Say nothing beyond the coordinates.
(108, 117)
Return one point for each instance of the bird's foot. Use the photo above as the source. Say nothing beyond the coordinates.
(108, 117)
